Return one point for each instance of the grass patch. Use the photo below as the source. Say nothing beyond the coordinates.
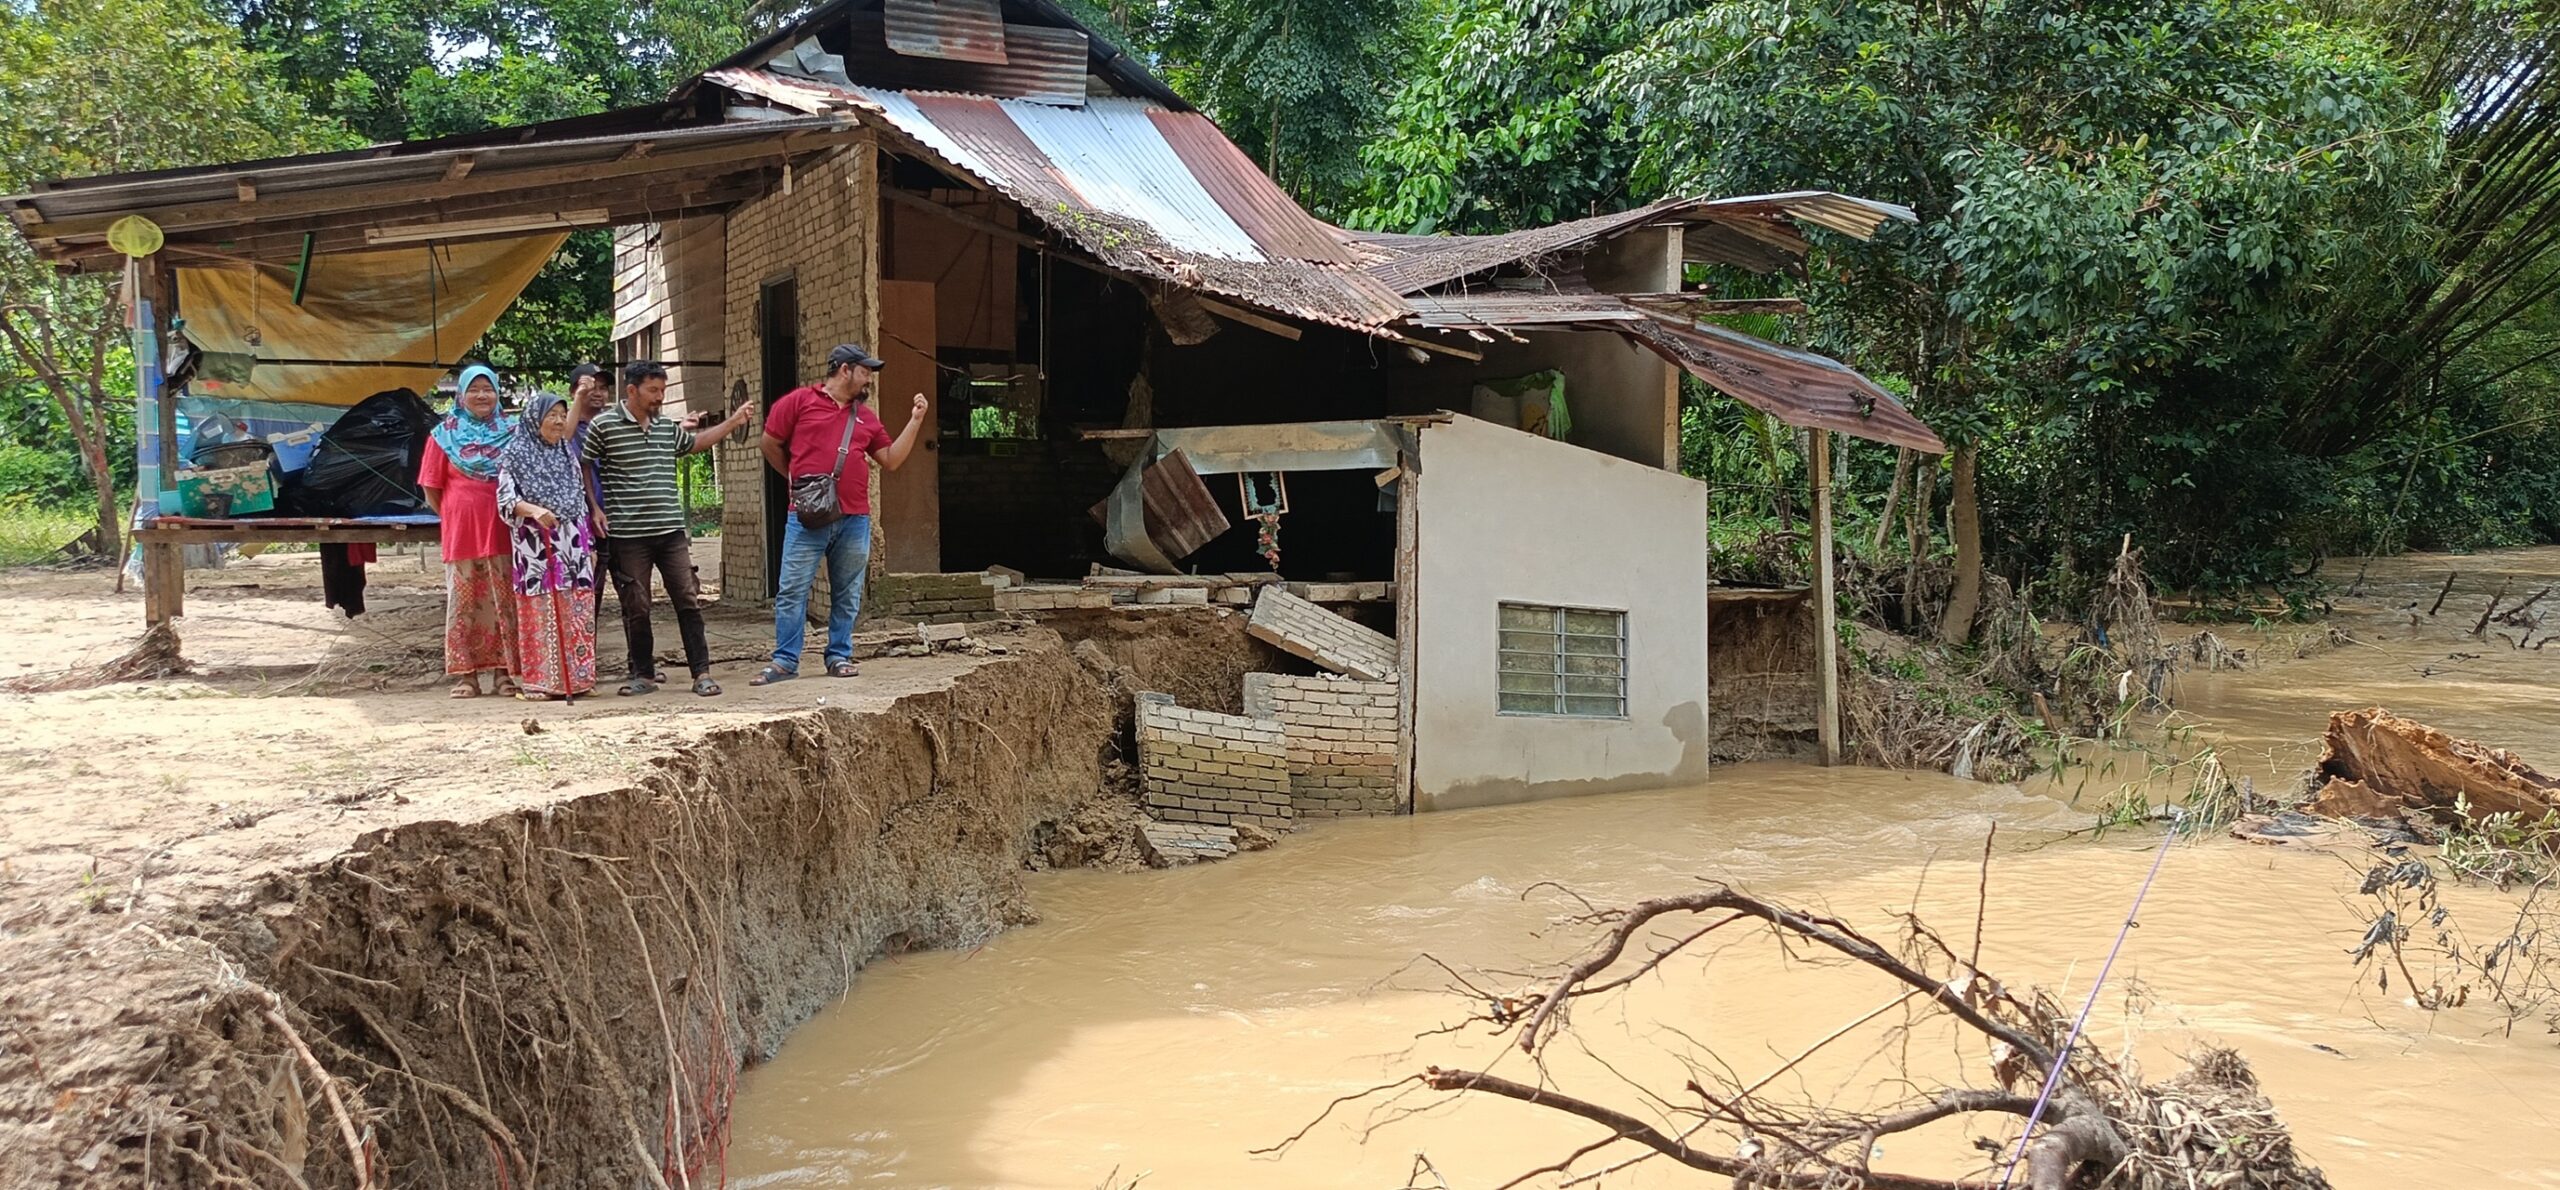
(29, 534)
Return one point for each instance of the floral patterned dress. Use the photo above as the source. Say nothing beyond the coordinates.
(479, 619)
(554, 573)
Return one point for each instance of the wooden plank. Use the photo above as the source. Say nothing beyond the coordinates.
(911, 496)
(1249, 318)
(164, 583)
(1826, 608)
(1408, 627)
(194, 217)
(1181, 514)
(460, 168)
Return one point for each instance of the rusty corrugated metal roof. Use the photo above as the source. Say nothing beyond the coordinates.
(955, 30)
(1040, 63)
(1268, 214)
(1753, 231)
(1490, 309)
(1105, 176)
(1795, 387)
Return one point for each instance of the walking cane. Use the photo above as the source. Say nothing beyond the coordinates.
(559, 623)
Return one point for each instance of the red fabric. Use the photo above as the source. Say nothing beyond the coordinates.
(469, 508)
(361, 553)
(809, 424)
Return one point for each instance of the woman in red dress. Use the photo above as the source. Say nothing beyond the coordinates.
(460, 478)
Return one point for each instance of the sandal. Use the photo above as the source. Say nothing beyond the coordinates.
(466, 688)
(843, 669)
(505, 687)
(537, 696)
(705, 687)
(771, 674)
(637, 686)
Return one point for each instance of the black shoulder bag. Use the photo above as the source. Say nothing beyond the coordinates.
(813, 497)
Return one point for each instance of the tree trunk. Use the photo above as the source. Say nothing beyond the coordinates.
(103, 478)
(1924, 487)
(1884, 520)
(1964, 518)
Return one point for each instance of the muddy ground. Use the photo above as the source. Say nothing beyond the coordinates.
(527, 943)
(298, 918)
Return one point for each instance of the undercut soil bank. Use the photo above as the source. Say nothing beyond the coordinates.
(282, 941)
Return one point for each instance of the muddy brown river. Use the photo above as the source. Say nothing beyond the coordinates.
(1165, 1024)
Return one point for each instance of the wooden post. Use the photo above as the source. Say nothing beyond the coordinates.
(164, 582)
(157, 290)
(1826, 612)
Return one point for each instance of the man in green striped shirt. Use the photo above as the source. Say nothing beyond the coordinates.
(634, 453)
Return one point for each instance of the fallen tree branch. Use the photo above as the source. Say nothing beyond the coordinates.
(1827, 932)
(1632, 1129)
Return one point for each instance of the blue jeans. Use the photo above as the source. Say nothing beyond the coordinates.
(846, 545)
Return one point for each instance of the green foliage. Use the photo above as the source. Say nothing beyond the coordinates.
(2124, 210)
(1508, 125)
(32, 534)
(1299, 85)
(93, 86)
(407, 69)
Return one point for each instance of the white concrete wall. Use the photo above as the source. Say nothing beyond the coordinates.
(1509, 517)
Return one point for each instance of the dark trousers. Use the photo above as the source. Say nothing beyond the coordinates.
(671, 554)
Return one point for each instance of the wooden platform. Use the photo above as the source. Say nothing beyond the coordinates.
(164, 542)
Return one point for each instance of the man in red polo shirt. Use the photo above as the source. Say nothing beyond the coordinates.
(822, 429)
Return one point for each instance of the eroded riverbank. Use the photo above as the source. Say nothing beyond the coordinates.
(1168, 1023)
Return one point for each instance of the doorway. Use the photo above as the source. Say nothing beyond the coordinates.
(778, 329)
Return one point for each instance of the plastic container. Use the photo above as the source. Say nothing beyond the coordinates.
(293, 451)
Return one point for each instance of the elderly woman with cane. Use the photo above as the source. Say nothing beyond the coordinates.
(542, 492)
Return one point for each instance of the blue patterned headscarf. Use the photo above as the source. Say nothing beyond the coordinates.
(474, 444)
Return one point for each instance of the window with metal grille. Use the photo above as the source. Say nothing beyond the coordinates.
(1563, 661)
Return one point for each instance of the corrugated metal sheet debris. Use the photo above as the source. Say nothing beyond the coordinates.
(1796, 387)
(1041, 64)
(1499, 309)
(958, 30)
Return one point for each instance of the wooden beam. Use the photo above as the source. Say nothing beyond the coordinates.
(987, 227)
(393, 196)
(626, 206)
(638, 150)
(1700, 304)
(247, 188)
(1251, 319)
(1826, 607)
(460, 168)
(1427, 345)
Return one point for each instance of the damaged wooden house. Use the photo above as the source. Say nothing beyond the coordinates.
(1443, 468)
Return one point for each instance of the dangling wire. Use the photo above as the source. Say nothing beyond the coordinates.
(2053, 1077)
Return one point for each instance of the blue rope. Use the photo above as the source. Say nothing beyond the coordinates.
(2054, 1076)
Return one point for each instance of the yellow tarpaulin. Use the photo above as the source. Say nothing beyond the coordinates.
(423, 306)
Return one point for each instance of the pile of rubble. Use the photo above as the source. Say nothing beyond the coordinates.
(1308, 746)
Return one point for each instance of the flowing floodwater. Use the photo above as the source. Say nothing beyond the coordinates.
(1168, 1023)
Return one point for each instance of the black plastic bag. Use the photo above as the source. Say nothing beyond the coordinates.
(367, 463)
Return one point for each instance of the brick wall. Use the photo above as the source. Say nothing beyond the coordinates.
(1306, 630)
(932, 598)
(1340, 735)
(1201, 766)
(823, 235)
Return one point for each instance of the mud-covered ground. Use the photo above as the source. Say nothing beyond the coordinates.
(306, 825)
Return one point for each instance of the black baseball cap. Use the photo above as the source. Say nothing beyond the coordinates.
(852, 353)
(583, 371)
